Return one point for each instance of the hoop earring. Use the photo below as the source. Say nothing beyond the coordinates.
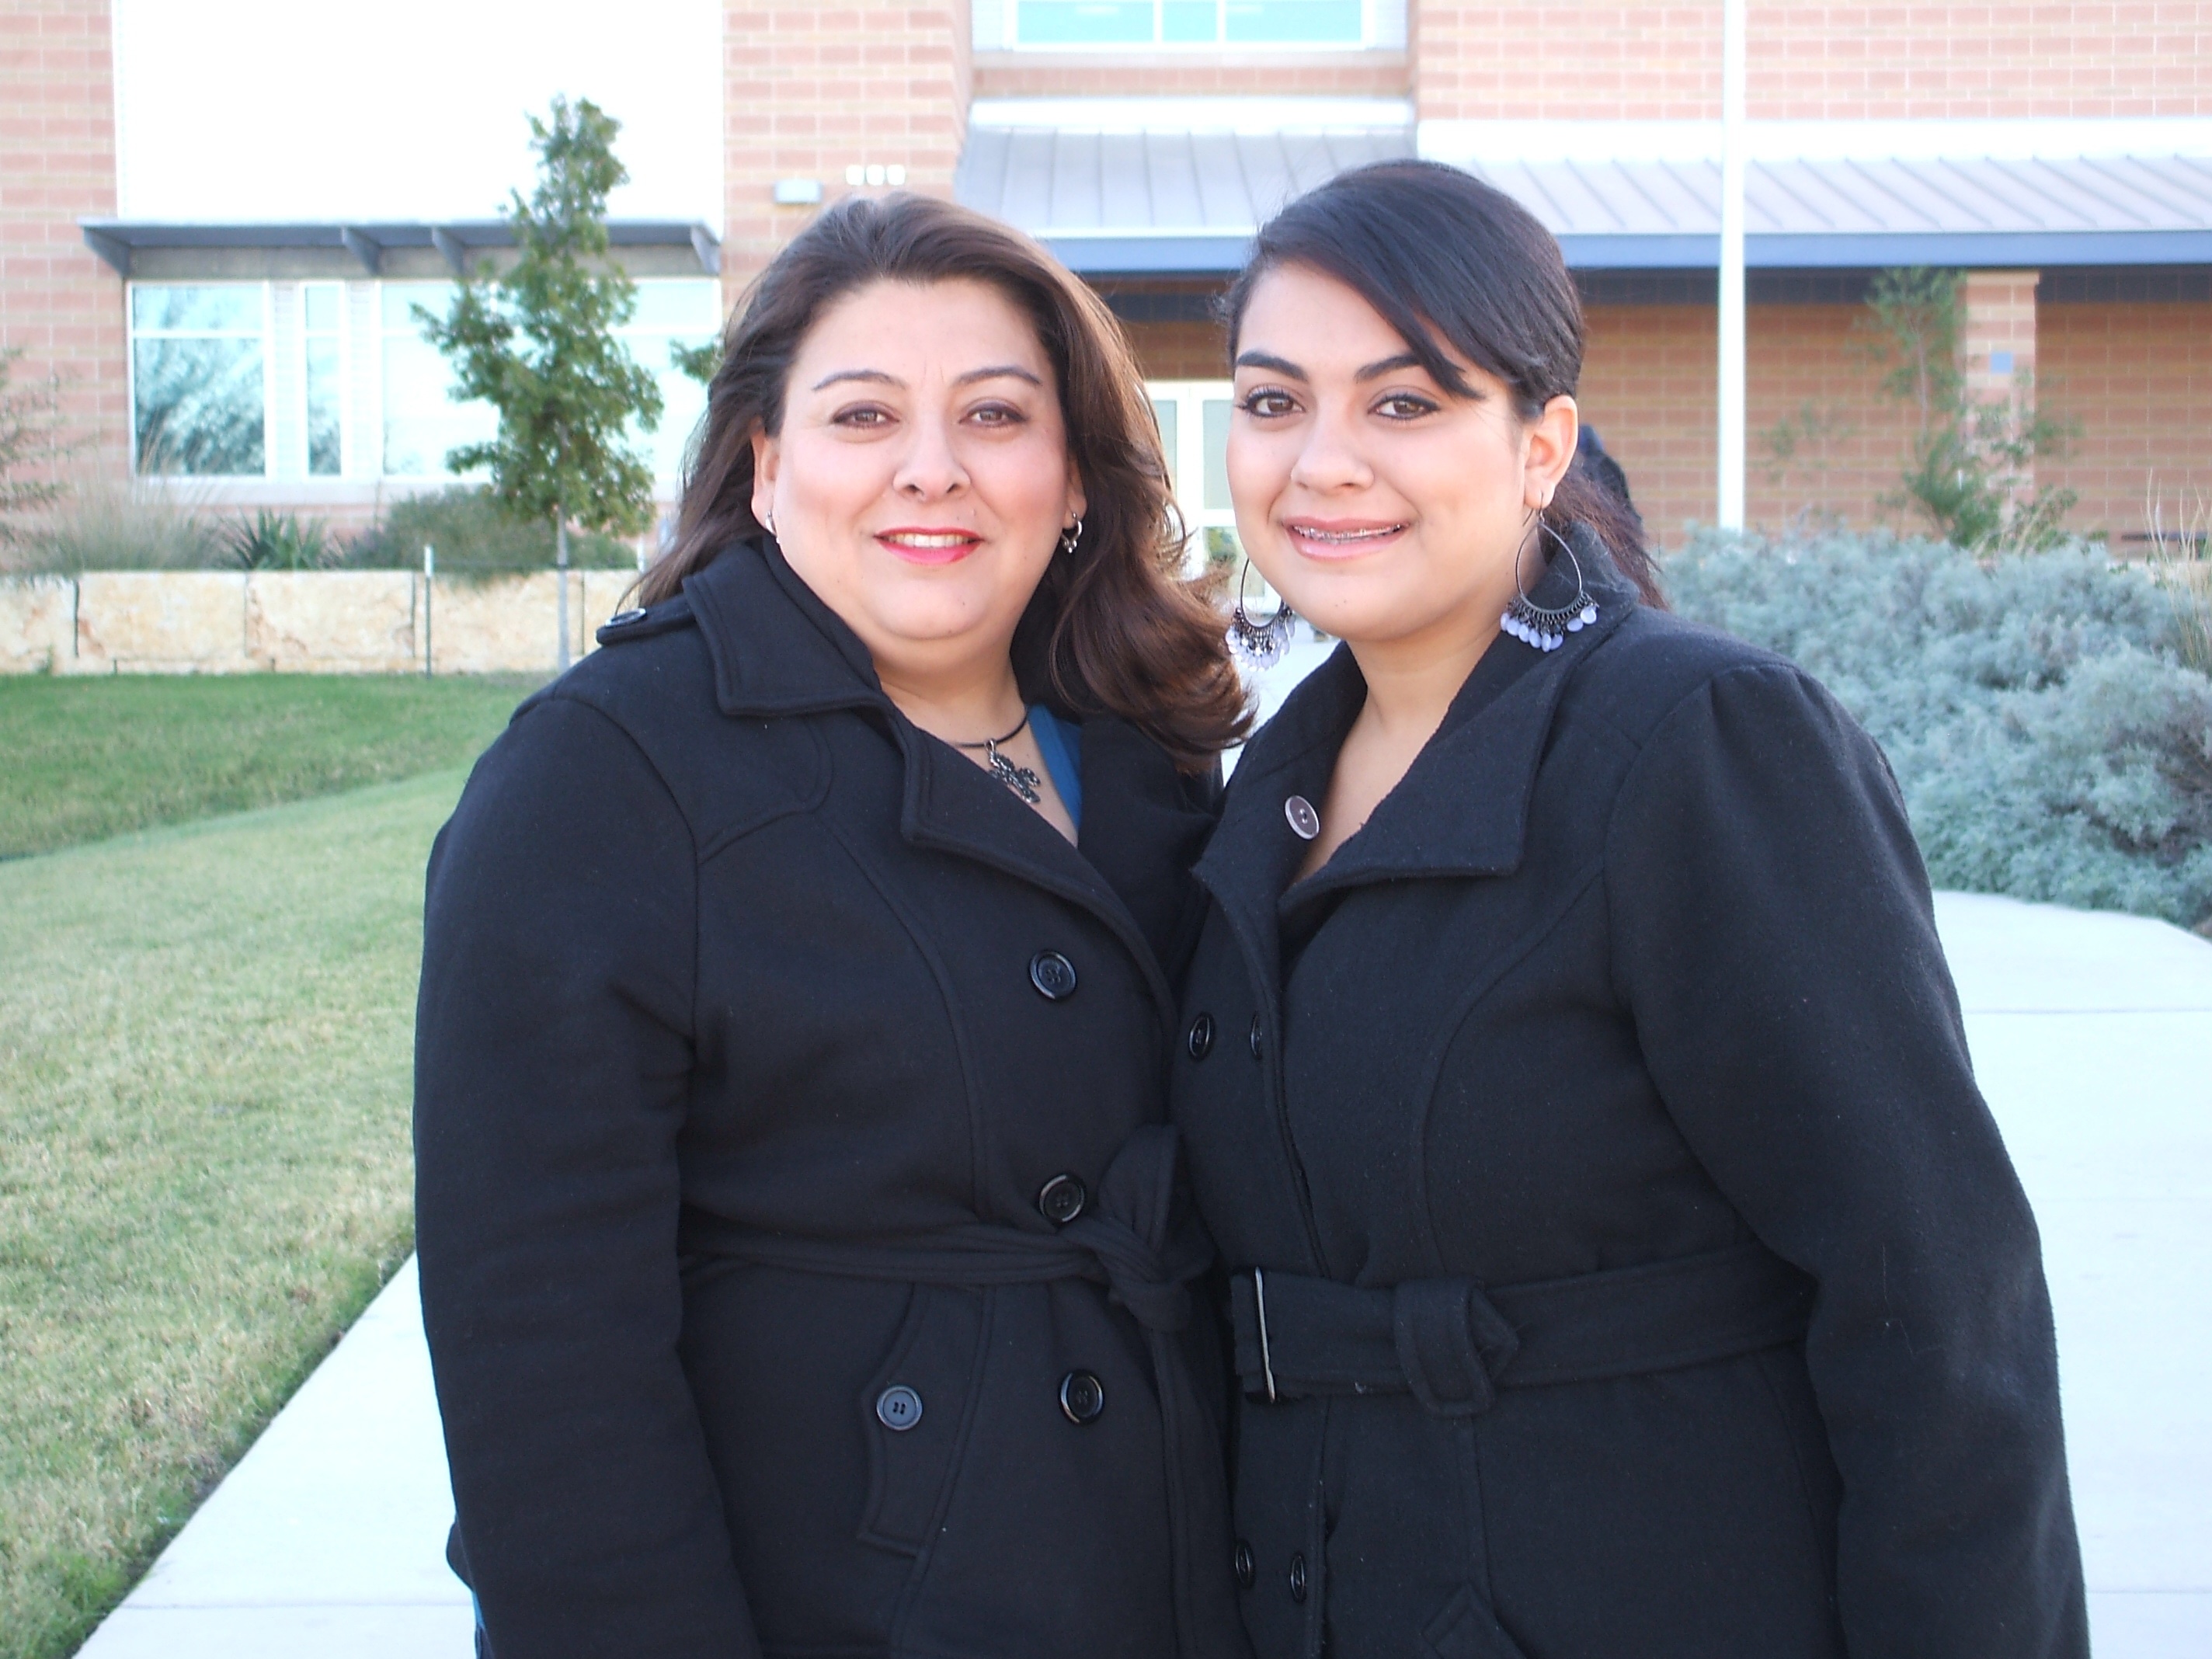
(1546, 627)
(1070, 537)
(1258, 643)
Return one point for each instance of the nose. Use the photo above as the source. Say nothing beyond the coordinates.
(1329, 460)
(930, 470)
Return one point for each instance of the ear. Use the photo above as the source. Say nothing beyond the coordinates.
(767, 457)
(1550, 441)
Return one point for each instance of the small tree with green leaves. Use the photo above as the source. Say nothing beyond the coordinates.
(537, 343)
(1973, 468)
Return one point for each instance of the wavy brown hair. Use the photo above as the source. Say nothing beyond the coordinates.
(1114, 628)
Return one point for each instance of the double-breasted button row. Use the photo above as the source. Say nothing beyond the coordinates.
(1199, 1040)
(1053, 974)
(1082, 1401)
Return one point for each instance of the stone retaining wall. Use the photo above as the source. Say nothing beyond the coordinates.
(334, 622)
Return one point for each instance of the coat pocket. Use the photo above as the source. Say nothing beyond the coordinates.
(914, 1412)
(1466, 1629)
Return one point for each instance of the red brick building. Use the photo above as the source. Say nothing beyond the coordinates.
(2061, 153)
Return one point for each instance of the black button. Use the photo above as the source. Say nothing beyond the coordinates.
(1201, 1039)
(898, 1408)
(1255, 1036)
(1061, 1200)
(1054, 975)
(1297, 1578)
(1082, 1397)
(1244, 1563)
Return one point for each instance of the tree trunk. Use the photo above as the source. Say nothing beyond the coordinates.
(561, 563)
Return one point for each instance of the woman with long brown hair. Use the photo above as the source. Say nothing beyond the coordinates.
(802, 1255)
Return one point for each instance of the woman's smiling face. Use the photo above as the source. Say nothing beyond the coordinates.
(1381, 506)
(921, 478)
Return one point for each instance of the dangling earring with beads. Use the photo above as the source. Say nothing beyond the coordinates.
(1546, 627)
(1072, 537)
(1258, 643)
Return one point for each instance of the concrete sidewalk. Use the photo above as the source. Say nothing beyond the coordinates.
(2093, 1038)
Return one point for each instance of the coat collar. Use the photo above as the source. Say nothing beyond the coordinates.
(777, 650)
(1462, 807)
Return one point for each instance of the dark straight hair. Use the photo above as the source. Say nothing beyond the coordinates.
(1447, 260)
(1114, 628)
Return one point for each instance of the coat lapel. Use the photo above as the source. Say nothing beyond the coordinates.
(777, 650)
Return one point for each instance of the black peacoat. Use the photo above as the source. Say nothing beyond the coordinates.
(802, 1254)
(1624, 1261)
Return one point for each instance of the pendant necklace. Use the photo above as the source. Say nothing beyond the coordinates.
(1019, 779)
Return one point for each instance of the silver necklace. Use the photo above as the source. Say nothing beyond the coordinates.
(1018, 778)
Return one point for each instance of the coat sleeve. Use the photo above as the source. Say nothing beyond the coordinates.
(552, 1062)
(1775, 943)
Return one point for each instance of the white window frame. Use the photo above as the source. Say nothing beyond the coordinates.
(1187, 460)
(133, 334)
(344, 335)
(997, 26)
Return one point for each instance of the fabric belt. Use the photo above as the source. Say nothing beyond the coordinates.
(1453, 1343)
(1138, 1240)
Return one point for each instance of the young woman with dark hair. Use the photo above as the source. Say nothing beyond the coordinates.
(1622, 1260)
(803, 1254)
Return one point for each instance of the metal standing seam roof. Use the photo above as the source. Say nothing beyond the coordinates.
(1164, 201)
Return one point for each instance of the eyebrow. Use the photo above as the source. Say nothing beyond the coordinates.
(1371, 372)
(878, 377)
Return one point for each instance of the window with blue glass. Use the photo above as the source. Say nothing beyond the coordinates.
(1197, 22)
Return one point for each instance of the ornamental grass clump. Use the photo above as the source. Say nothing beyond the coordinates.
(2050, 739)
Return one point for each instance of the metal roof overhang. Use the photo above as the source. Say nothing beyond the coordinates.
(1223, 253)
(115, 239)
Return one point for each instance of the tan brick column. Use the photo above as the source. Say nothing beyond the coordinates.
(59, 303)
(1996, 335)
(809, 91)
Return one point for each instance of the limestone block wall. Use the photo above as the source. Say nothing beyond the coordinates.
(336, 621)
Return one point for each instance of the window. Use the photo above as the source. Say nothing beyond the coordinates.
(1065, 23)
(1194, 417)
(197, 399)
(678, 312)
(422, 422)
(322, 377)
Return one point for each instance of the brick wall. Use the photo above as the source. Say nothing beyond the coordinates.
(2137, 377)
(1845, 62)
(58, 304)
(809, 90)
(1647, 386)
(1071, 75)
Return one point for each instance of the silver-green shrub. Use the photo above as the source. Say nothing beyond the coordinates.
(2049, 738)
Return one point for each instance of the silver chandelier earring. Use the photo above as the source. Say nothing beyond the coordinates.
(1547, 626)
(1072, 537)
(1258, 643)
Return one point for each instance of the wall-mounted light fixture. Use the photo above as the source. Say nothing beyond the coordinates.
(798, 192)
(875, 172)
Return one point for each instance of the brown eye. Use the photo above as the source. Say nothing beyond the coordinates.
(1404, 407)
(1267, 404)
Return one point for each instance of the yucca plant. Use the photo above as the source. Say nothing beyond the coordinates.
(279, 541)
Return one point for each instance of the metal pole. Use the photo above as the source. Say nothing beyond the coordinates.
(1732, 376)
(561, 561)
(429, 584)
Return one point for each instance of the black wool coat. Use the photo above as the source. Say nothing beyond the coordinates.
(801, 1251)
(1639, 1271)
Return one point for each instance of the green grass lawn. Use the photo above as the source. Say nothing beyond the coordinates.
(83, 759)
(205, 1035)
(205, 1171)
